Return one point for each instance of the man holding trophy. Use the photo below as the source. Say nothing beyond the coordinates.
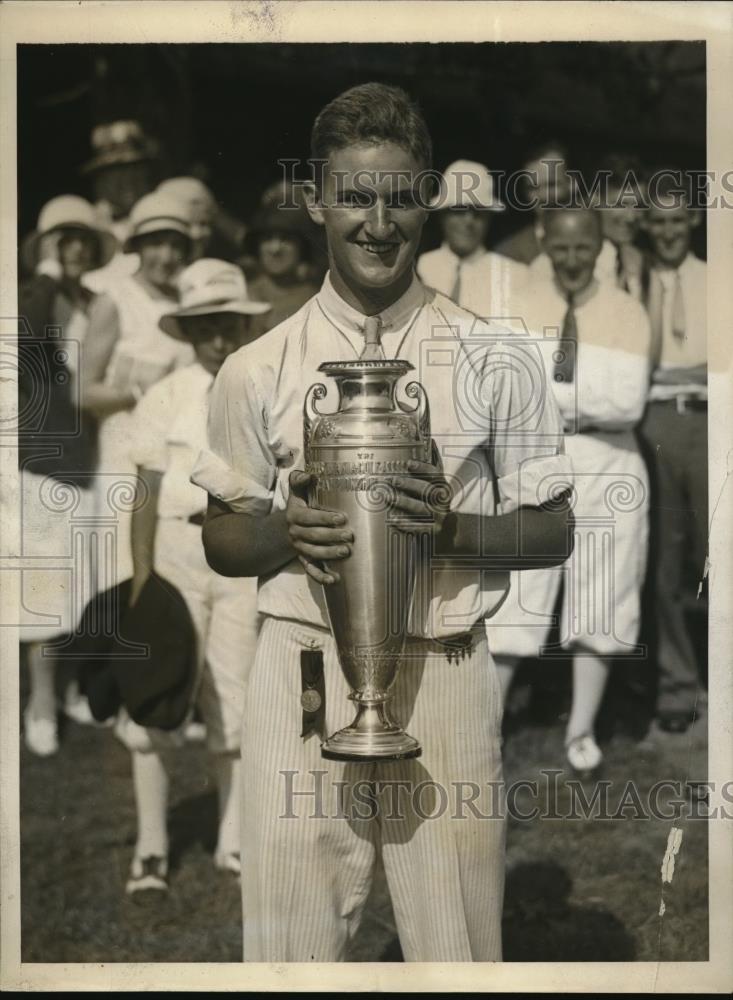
(382, 517)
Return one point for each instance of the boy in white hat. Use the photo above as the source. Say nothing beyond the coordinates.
(170, 429)
(462, 268)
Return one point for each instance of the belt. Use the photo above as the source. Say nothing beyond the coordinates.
(197, 519)
(453, 647)
(683, 402)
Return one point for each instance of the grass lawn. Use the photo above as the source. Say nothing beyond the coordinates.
(577, 890)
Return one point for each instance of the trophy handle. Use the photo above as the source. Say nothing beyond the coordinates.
(422, 410)
(310, 414)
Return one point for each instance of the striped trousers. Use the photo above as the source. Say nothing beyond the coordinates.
(311, 828)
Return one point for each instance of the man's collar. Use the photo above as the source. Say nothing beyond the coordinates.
(394, 317)
(657, 265)
(477, 254)
(581, 297)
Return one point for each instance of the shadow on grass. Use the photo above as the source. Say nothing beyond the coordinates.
(542, 925)
(193, 821)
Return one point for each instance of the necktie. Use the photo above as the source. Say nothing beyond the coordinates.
(678, 309)
(656, 318)
(564, 370)
(372, 340)
(456, 290)
(621, 280)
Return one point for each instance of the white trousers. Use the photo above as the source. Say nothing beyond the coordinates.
(310, 841)
(601, 607)
(59, 574)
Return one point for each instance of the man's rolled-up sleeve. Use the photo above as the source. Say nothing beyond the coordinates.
(238, 467)
(528, 453)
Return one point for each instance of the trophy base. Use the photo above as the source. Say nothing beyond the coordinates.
(372, 736)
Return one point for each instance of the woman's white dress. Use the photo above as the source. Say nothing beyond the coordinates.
(142, 356)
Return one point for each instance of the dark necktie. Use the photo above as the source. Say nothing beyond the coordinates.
(456, 290)
(372, 340)
(564, 370)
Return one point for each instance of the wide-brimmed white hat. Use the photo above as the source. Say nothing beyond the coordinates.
(155, 213)
(466, 184)
(68, 211)
(210, 286)
(189, 190)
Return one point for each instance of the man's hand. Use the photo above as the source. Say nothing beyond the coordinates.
(317, 535)
(424, 495)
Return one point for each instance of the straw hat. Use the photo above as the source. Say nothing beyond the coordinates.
(155, 213)
(210, 286)
(466, 184)
(68, 211)
(120, 142)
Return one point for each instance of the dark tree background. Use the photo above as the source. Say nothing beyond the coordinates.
(229, 112)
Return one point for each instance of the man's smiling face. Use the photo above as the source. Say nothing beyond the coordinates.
(669, 225)
(373, 222)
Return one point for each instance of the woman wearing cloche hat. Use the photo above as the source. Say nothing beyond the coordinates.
(126, 352)
(169, 429)
(55, 446)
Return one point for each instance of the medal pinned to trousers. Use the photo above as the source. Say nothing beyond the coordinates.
(313, 692)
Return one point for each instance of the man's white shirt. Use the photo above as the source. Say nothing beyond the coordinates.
(491, 284)
(687, 354)
(496, 426)
(169, 431)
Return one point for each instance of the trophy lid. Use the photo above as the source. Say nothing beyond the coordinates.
(393, 366)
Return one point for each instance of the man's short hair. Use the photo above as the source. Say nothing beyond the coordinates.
(372, 113)
(668, 184)
(618, 165)
(553, 215)
(544, 150)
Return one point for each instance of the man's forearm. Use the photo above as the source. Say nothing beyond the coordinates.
(242, 545)
(528, 538)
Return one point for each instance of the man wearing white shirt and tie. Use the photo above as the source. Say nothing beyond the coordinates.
(462, 268)
(618, 199)
(306, 878)
(675, 428)
(594, 339)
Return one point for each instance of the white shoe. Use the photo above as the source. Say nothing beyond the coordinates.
(41, 735)
(583, 753)
(146, 874)
(228, 862)
(76, 707)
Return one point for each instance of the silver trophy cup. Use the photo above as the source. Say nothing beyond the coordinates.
(357, 454)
